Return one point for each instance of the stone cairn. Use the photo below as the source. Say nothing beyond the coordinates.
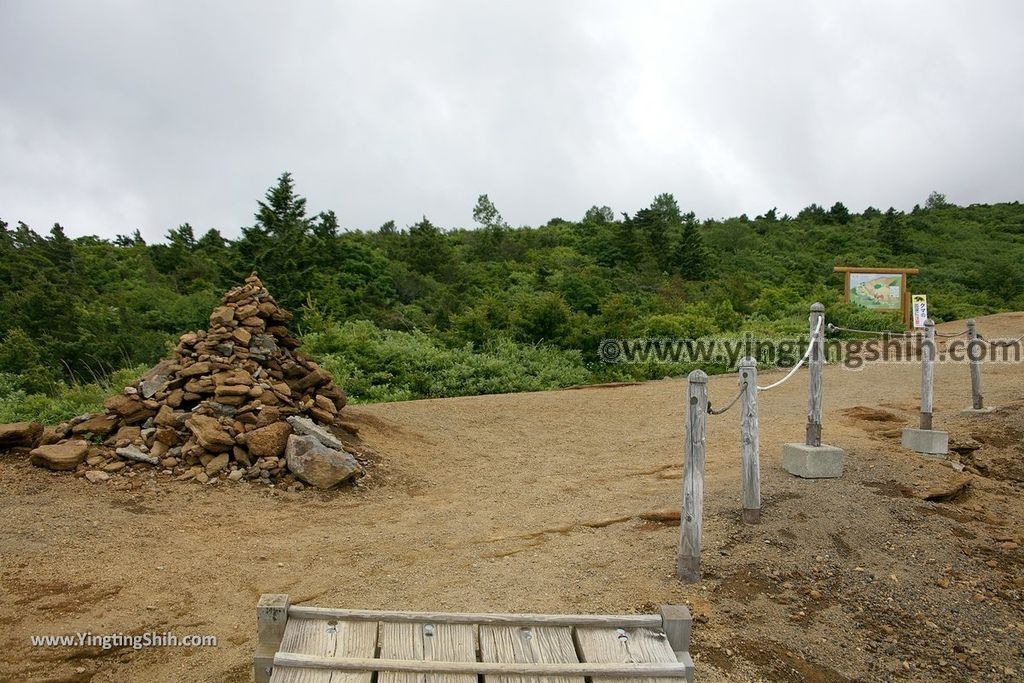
(237, 402)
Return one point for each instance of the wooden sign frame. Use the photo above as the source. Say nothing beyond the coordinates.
(904, 290)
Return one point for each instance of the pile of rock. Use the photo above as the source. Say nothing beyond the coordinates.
(237, 401)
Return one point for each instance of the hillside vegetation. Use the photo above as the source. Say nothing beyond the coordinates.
(425, 311)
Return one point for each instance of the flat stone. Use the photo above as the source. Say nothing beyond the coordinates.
(236, 475)
(129, 407)
(133, 453)
(306, 427)
(327, 404)
(195, 370)
(812, 462)
(321, 415)
(263, 344)
(156, 378)
(129, 434)
(317, 465)
(977, 412)
(166, 417)
(246, 311)
(928, 442)
(166, 435)
(235, 376)
(269, 441)
(222, 316)
(233, 401)
(314, 378)
(221, 408)
(20, 434)
(52, 435)
(203, 385)
(217, 464)
(96, 476)
(60, 456)
(209, 433)
(224, 390)
(100, 425)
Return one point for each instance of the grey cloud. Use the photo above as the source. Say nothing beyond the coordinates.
(116, 116)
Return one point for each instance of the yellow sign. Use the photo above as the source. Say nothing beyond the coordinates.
(919, 305)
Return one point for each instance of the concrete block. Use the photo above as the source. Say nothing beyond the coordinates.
(976, 412)
(926, 441)
(812, 462)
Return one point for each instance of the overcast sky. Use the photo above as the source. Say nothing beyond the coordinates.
(123, 115)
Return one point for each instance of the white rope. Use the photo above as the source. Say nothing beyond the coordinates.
(807, 354)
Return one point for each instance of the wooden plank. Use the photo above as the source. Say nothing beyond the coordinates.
(330, 638)
(427, 643)
(614, 620)
(529, 644)
(750, 445)
(634, 645)
(691, 517)
(511, 670)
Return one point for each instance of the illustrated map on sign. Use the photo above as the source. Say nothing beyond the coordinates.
(872, 290)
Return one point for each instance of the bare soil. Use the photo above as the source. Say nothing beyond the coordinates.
(557, 502)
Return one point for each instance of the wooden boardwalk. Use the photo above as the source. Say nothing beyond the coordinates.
(319, 645)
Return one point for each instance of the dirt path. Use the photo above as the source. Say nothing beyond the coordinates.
(533, 502)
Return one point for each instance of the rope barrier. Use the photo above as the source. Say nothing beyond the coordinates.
(807, 354)
(1000, 342)
(731, 403)
(950, 336)
(836, 328)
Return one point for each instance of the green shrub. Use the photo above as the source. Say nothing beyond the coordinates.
(386, 365)
(62, 402)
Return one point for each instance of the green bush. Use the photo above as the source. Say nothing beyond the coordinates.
(386, 365)
(63, 401)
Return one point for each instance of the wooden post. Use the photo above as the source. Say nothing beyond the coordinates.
(814, 363)
(271, 618)
(750, 447)
(977, 401)
(688, 561)
(677, 622)
(927, 373)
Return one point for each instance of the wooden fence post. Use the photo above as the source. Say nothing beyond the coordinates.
(688, 561)
(977, 401)
(271, 618)
(927, 373)
(750, 447)
(814, 363)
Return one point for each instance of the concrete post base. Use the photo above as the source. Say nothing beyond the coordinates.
(812, 462)
(926, 441)
(974, 412)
